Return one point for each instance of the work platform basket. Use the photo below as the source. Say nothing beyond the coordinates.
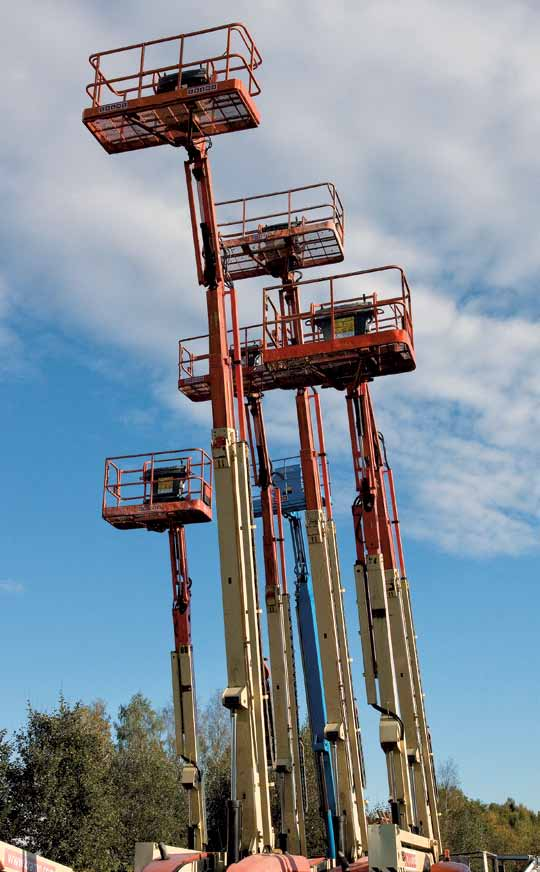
(159, 490)
(170, 90)
(342, 338)
(337, 341)
(273, 234)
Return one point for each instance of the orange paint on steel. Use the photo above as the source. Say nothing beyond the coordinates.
(322, 454)
(194, 226)
(308, 454)
(264, 480)
(333, 347)
(174, 862)
(250, 65)
(395, 522)
(129, 498)
(237, 366)
(354, 438)
(181, 609)
(281, 540)
(360, 865)
(271, 863)
(449, 866)
(370, 518)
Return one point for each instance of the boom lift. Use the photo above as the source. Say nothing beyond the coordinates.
(343, 341)
(165, 491)
(290, 500)
(181, 103)
(313, 679)
(341, 729)
(391, 667)
(308, 235)
(167, 92)
(288, 765)
(351, 343)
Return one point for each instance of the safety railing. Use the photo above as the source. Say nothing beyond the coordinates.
(193, 363)
(148, 479)
(281, 210)
(198, 60)
(336, 316)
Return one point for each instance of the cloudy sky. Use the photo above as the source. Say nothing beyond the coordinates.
(426, 117)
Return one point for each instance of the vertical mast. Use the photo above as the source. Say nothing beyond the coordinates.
(287, 764)
(342, 729)
(350, 807)
(387, 628)
(244, 695)
(185, 712)
(353, 726)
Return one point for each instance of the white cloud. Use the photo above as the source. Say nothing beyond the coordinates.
(425, 116)
(9, 586)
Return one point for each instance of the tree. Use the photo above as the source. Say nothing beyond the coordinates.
(147, 781)
(315, 827)
(463, 826)
(63, 805)
(5, 784)
(215, 764)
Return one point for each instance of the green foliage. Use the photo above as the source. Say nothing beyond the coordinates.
(78, 792)
(146, 777)
(6, 799)
(215, 757)
(470, 825)
(63, 803)
(315, 828)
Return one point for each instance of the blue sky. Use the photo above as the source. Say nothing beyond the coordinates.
(425, 115)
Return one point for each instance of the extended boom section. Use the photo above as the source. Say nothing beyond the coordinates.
(244, 696)
(184, 699)
(390, 658)
(350, 812)
(288, 761)
(164, 491)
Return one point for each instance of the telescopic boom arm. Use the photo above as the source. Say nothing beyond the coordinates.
(245, 693)
(185, 712)
(288, 760)
(391, 666)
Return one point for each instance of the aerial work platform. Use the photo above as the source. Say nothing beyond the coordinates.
(337, 342)
(281, 232)
(169, 91)
(158, 491)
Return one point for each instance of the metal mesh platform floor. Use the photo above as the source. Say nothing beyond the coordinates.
(162, 119)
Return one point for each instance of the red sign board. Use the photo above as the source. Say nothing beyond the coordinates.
(16, 860)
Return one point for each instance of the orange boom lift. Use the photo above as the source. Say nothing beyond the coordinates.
(179, 91)
(164, 491)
